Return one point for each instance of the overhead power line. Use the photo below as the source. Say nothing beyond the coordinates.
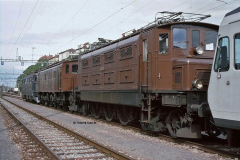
(15, 26)
(24, 25)
(32, 21)
(67, 22)
(96, 25)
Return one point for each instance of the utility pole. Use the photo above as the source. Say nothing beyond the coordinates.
(17, 54)
(33, 51)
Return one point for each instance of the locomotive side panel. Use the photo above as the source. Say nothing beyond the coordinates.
(111, 70)
(69, 75)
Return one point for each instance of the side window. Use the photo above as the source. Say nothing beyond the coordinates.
(237, 51)
(195, 38)
(74, 69)
(45, 77)
(163, 43)
(145, 46)
(54, 74)
(67, 69)
(179, 38)
(210, 40)
(222, 56)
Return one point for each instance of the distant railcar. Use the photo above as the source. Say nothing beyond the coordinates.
(29, 87)
(158, 75)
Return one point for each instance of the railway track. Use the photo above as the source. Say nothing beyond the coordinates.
(58, 141)
(208, 145)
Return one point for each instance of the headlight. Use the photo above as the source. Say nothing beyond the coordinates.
(197, 84)
(199, 50)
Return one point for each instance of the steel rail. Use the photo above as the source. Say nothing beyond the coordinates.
(105, 149)
(34, 136)
(169, 138)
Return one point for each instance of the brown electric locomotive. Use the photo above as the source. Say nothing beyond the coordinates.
(56, 82)
(158, 75)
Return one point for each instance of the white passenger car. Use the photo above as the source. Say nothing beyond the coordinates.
(224, 86)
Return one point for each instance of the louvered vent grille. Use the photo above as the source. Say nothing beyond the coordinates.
(178, 78)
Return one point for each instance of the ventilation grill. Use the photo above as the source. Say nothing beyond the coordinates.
(96, 61)
(178, 78)
(108, 57)
(85, 63)
(204, 77)
(126, 52)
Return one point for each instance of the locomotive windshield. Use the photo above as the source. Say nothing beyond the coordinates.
(210, 40)
(179, 38)
(195, 38)
(222, 44)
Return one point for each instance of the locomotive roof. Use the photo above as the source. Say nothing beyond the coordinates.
(134, 36)
(30, 74)
(237, 10)
(57, 63)
(231, 17)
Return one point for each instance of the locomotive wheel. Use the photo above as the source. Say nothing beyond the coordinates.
(96, 110)
(55, 105)
(46, 103)
(42, 102)
(65, 107)
(85, 108)
(174, 122)
(108, 111)
(51, 101)
(91, 108)
(125, 114)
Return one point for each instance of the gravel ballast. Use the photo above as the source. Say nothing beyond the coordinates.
(130, 142)
(8, 149)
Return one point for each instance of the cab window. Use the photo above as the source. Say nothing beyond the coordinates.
(163, 43)
(222, 49)
(74, 69)
(237, 51)
(195, 38)
(179, 38)
(210, 40)
(67, 69)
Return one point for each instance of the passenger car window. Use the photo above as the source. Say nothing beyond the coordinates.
(179, 38)
(210, 40)
(163, 43)
(223, 46)
(195, 38)
(237, 51)
(74, 69)
(67, 69)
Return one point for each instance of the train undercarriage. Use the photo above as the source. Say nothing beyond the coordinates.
(155, 112)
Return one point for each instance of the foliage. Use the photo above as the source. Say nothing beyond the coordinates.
(31, 69)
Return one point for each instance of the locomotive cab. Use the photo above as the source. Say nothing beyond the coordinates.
(175, 72)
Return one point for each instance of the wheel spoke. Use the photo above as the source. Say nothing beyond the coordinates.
(174, 122)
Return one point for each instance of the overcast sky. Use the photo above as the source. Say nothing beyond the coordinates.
(52, 26)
